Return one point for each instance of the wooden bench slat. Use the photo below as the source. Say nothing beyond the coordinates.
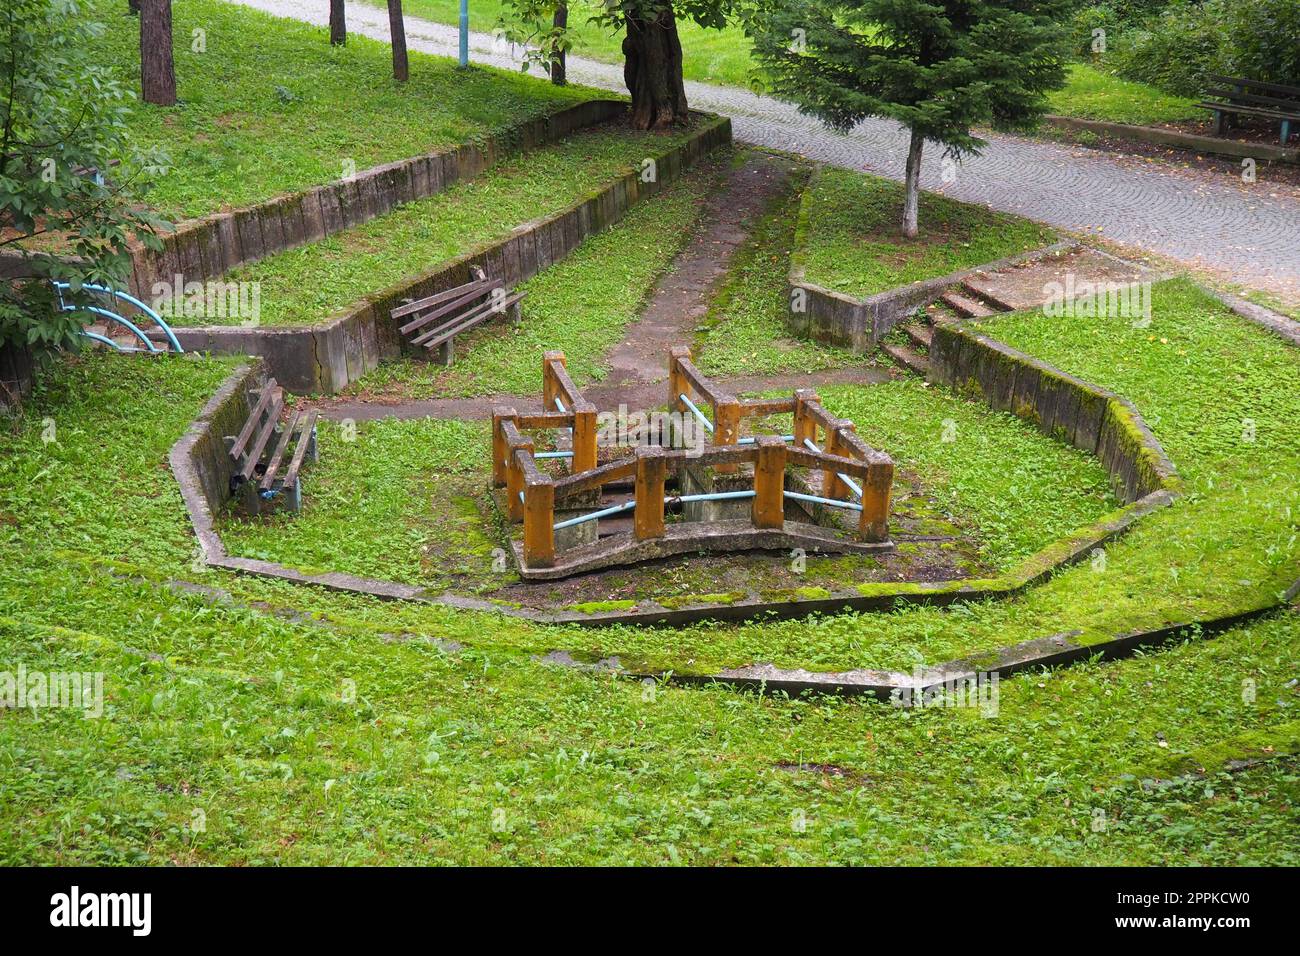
(300, 452)
(263, 436)
(1256, 84)
(277, 456)
(467, 322)
(447, 308)
(1291, 107)
(268, 391)
(435, 299)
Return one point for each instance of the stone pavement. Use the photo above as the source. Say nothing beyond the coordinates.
(1245, 233)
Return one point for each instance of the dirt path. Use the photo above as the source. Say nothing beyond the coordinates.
(682, 296)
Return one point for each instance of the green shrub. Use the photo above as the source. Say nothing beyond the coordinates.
(1264, 40)
(1189, 40)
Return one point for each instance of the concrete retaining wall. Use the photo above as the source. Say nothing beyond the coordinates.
(209, 247)
(326, 357)
(834, 318)
(1084, 415)
(839, 319)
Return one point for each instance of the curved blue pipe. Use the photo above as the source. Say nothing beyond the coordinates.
(126, 296)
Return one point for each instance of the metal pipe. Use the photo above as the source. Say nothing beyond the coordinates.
(853, 485)
(603, 513)
(816, 499)
(553, 454)
(698, 414)
(715, 496)
(752, 438)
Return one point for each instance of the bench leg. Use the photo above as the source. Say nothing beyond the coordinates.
(1218, 122)
(293, 496)
(1286, 131)
(445, 353)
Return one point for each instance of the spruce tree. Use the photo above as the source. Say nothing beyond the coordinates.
(939, 67)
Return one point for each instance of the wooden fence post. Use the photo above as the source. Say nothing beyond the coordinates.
(726, 427)
(877, 489)
(539, 521)
(500, 447)
(833, 485)
(805, 426)
(549, 389)
(584, 437)
(515, 479)
(651, 469)
(676, 380)
(769, 483)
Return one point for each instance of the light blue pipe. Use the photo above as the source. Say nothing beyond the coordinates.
(853, 485)
(698, 414)
(816, 499)
(117, 294)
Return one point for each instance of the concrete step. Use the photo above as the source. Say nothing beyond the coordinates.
(907, 357)
(921, 333)
(966, 305)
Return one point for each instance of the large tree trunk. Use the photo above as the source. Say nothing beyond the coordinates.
(652, 70)
(559, 72)
(912, 182)
(338, 24)
(157, 72)
(397, 27)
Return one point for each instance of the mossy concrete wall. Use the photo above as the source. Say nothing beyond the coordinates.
(1074, 411)
(207, 248)
(326, 357)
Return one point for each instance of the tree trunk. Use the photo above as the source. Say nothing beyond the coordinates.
(397, 28)
(652, 70)
(912, 182)
(338, 24)
(157, 72)
(558, 67)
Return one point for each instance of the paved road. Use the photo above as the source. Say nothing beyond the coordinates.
(1247, 233)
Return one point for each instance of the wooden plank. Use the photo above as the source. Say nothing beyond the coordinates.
(437, 298)
(1254, 84)
(1248, 110)
(803, 458)
(877, 489)
(546, 420)
(300, 451)
(446, 309)
(753, 407)
(277, 456)
(263, 436)
(477, 317)
(254, 417)
(620, 470)
(1289, 106)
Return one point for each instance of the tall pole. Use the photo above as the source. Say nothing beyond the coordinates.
(464, 32)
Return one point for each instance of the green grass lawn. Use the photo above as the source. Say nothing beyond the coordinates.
(581, 305)
(358, 735)
(306, 285)
(849, 237)
(710, 56)
(271, 107)
(999, 481)
(1090, 93)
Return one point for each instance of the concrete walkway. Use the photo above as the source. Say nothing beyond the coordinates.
(1246, 233)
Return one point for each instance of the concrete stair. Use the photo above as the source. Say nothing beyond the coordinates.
(967, 303)
(907, 357)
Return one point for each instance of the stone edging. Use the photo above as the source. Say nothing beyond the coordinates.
(210, 246)
(1169, 137)
(839, 319)
(202, 469)
(324, 358)
(1090, 418)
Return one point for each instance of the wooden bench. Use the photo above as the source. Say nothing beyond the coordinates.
(434, 322)
(1242, 97)
(264, 471)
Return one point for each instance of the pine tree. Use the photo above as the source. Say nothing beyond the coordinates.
(939, 67)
